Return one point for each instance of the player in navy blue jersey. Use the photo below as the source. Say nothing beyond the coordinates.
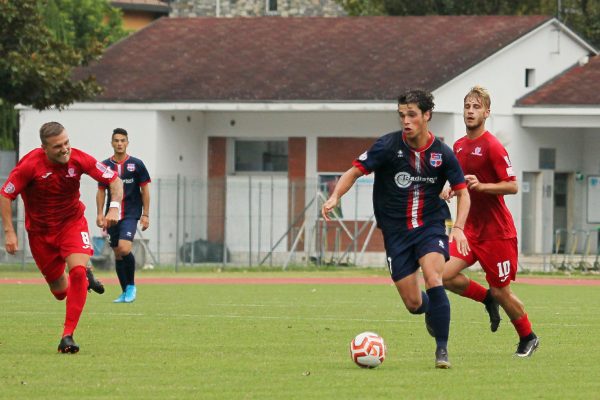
(411, 168)
(135, 206)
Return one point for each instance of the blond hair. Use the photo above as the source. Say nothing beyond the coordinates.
(480, 93)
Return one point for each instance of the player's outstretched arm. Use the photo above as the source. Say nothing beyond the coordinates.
(501, 188)
(116, 197)
(447, 194)
(11, 243)
(145, 218)
(100, 198)
(344, 184)
(462, 210)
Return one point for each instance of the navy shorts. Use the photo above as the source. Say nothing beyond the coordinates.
(124, 230)
(403, 249)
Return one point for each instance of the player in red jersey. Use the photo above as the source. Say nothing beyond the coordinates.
(489, 228)
(48, 180)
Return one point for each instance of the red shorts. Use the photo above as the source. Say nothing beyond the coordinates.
(498, 258)
(51, 250)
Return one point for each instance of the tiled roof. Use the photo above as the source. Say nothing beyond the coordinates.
(289, 59)
(579, 85)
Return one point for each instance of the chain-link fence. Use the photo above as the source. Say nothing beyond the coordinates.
(239, 221)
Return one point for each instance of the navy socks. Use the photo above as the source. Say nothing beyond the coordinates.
(439, 315)
(121, 274)
(129, 266)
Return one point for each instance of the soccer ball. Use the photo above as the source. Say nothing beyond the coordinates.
(367, 350)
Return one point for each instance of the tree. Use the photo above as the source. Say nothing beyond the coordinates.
(89, 26)
(583, 16)
(41, 43)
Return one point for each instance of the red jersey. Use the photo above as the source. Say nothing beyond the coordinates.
(487, 159)
(50, 190)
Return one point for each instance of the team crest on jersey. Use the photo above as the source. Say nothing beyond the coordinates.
(363, 156)
(130, 167)
(71, 173)
(9, 188)
(435, 159)
(400, 154)
(477, 151)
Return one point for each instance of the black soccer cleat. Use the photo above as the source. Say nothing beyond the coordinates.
(93, 283)
(428, 325)
(526, 347)
(67, 345)
(493, 309)
(441, 358)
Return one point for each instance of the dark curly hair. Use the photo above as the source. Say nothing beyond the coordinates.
(422, 98)
(119, 131)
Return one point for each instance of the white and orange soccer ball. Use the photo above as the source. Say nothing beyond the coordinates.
(367, 350)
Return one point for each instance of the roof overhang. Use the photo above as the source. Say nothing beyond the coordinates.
(559, 117)
(232, 106)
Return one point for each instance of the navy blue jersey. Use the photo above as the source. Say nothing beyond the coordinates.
(408, 181)
(134, 175)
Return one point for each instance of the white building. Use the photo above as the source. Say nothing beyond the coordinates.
(280, 101)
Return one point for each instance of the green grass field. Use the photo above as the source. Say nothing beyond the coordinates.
(289, 342)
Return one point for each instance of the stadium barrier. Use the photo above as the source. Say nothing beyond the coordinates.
(251, 221)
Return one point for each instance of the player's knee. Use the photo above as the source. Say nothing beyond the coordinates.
(123, 247)
(77, 273)
(501, 294)
(433, 281)
(122, 251)
(413, 306)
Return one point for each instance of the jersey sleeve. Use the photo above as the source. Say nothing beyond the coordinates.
(454, 172)
(95, 169)
(372, 159)
(17, 180)
(143, 174)
(102, 185)
(501, 163)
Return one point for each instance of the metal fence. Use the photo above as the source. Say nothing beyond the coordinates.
(270, 221)
(236, 221)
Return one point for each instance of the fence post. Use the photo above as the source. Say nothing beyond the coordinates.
(224, 186)
(259, 220)
(250, 221)
(271, 227)
(158, 208)
(191, 218)
(177, 224)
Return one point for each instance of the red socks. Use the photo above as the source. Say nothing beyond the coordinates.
(475, 291)
(522, 325)
(76, 296)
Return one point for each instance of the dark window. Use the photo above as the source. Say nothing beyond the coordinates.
(547, 158)
(529, 77)
(272, 5)
(261, 155)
